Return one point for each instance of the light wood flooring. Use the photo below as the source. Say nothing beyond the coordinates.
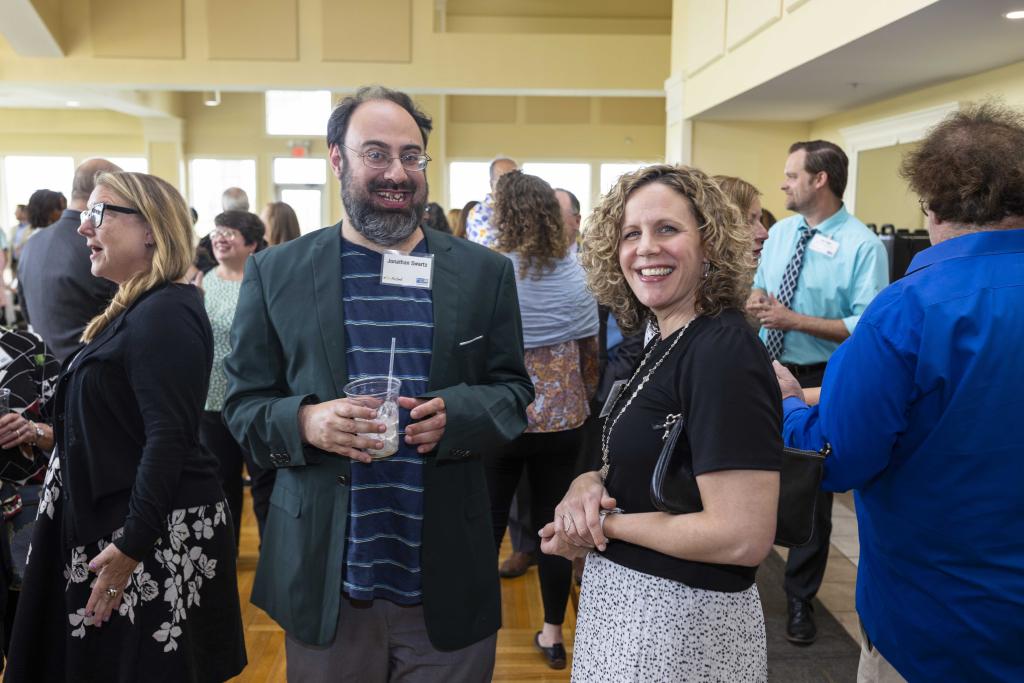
(522, 614)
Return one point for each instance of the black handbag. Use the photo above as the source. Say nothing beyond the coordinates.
(674, 488)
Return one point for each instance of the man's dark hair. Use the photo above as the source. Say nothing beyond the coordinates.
(573, 202)
(970, 167)
(337, 125)
(826, 156)
(249, 224)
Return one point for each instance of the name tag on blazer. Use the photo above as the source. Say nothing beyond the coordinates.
(404, 270)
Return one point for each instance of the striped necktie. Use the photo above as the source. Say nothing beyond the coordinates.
(773, 340)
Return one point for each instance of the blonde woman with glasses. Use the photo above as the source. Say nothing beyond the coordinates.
(132, 571)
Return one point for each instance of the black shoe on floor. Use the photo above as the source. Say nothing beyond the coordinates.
(800, 628)
(554, 655)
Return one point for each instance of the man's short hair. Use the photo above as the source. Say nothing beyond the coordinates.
(337, 125)
(826, 156)
(234, 199)
(573, 202)
(84, 181)
(494, 162)
(970, 167)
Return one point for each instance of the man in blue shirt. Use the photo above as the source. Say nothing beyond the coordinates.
(819, 270)
(922, 407)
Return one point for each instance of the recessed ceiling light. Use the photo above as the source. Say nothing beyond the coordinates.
(73, 103)
(1016, 14)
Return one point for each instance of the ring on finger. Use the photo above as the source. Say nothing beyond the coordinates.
(111, 592)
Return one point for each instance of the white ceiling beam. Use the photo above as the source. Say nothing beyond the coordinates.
(26, 30)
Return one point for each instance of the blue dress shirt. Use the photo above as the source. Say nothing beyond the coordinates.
(839, 286)
(923, 407)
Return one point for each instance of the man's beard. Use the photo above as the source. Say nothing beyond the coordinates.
(386, 228)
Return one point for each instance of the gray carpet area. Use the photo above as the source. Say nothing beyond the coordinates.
(832, 658)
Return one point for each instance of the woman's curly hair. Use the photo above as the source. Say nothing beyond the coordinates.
(724, 235)
(528, 220)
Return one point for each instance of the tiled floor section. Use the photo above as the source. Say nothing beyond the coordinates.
(838, 589)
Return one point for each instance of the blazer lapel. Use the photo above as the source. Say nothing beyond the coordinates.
(327, 292)
(446, 296)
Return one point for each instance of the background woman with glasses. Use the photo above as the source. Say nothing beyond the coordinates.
(238, 235)
(132, 571)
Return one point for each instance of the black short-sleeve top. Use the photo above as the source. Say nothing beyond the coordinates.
(719, 376)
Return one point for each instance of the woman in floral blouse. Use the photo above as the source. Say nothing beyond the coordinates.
(560, 336)
(131, 575)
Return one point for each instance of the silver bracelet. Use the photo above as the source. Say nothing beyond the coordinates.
(604, 513)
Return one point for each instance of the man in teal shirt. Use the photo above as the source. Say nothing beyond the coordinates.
(819, 270)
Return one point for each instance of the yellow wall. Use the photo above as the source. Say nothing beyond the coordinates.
(731, 46)
(71, 132)
(882, 196)
(754, 151)
(885, 198)
(175, 45)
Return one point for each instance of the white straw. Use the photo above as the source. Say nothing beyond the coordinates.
(391, 363)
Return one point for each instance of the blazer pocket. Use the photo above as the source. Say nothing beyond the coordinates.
(287, 500)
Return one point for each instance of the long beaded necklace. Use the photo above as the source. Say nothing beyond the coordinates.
(609, 424)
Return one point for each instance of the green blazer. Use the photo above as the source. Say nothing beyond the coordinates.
(288, 342)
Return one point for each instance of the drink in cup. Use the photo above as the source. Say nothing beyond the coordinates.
(381, 394)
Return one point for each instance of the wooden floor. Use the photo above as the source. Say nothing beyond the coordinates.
(521, 606)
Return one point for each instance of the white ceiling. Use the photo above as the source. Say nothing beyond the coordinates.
(947, 40)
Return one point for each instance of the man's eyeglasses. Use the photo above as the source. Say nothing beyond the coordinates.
(924, 206)
(376, 159)
(229, 234)
(94, 213)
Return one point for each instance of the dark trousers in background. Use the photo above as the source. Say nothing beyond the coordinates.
(519, 523)
(215, 436)
(549, 460)
(805, 567)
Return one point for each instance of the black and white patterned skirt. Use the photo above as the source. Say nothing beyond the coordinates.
(179, 616)
(634, 626)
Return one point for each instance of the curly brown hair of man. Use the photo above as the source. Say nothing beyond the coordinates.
(970, 167)
(528, 220)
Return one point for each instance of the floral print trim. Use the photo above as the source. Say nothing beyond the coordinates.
(180, 559)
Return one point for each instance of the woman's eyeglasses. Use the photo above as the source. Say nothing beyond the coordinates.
(94, 213)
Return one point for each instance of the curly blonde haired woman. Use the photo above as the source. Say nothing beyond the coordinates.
(672, 597)
(132, 570)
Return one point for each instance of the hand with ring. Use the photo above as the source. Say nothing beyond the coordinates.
(113, 571)
(15, 430)
(578, 516)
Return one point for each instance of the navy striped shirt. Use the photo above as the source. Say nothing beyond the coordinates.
(386, 502)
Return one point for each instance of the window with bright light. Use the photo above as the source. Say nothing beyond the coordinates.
(131, 164)
(468, 181)
(208, 178)
(610, 173)
(307, 204)
(298, 112)
(298, 171)
(572, 177)
(24, 175)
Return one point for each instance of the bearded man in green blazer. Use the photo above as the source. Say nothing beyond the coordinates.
(379, 569)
